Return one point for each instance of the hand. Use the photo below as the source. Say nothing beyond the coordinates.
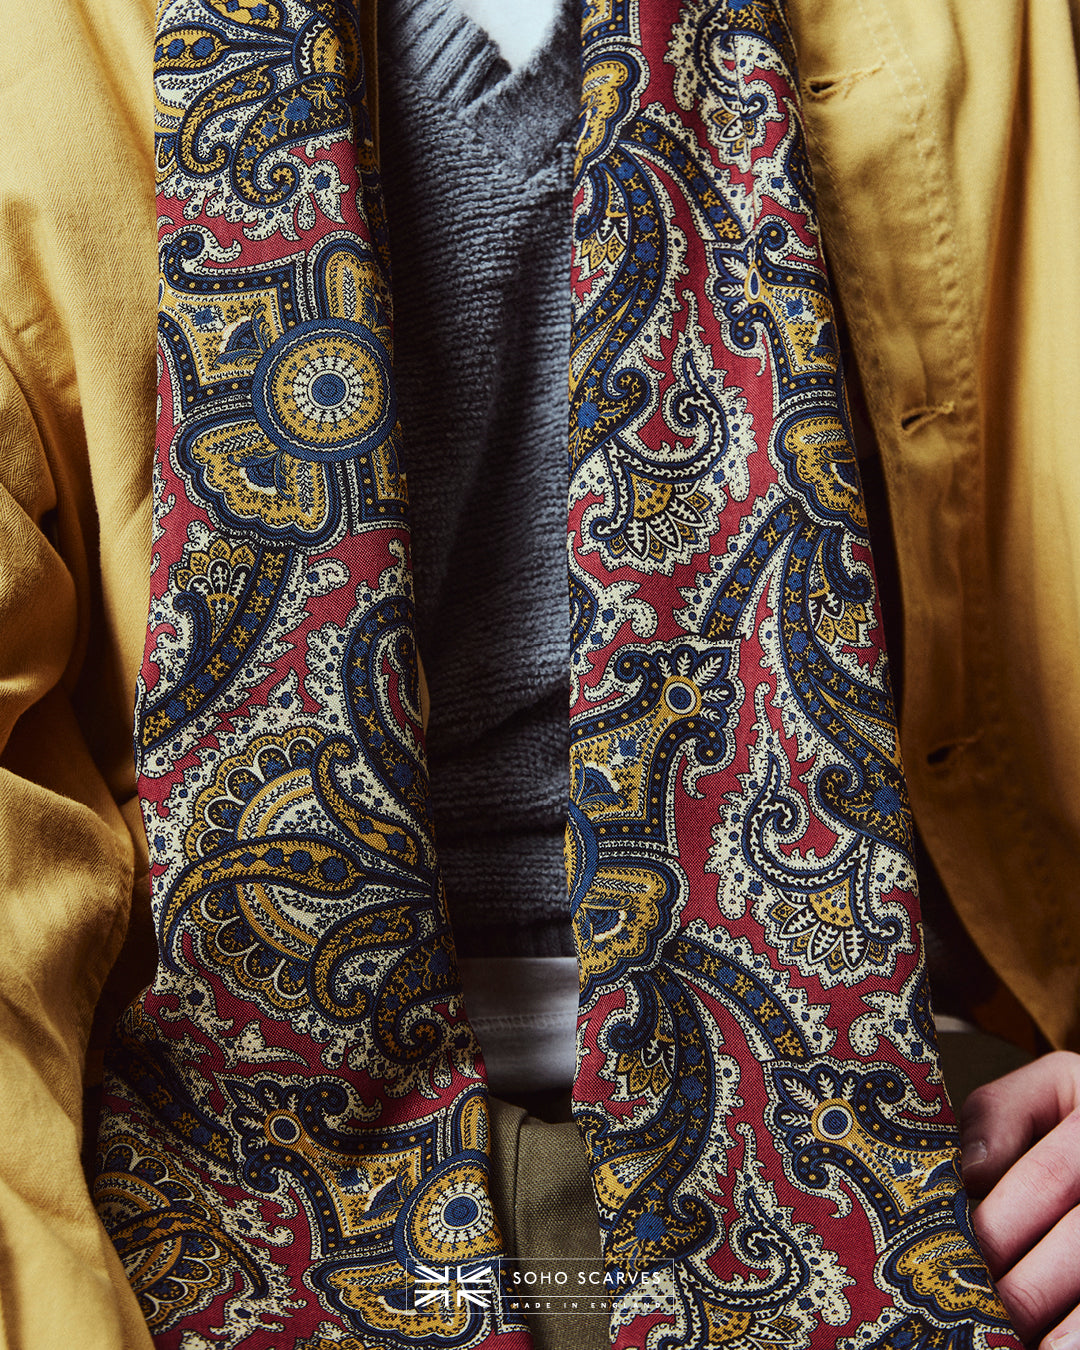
(1021, 1150)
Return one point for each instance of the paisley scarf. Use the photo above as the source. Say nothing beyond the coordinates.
(296, 1121)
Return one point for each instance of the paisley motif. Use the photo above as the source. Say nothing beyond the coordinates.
(251, 100)
(713, 479)
(296, 1110)
(865, 1132)
(173, 1247)
(296, 1120)
(291, 425)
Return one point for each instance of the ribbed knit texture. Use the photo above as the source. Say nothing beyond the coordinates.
(476, 164)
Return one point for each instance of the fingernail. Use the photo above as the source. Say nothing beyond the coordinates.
(1068, 1340)
(971, 1156)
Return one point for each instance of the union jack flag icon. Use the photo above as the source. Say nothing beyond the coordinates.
(451, 1286)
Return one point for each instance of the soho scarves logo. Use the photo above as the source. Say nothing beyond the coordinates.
(517, 1285)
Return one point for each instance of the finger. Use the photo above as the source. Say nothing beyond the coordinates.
(1001, 1119)
(1032, 1196)
(1044, 1286)
(1066, 1335)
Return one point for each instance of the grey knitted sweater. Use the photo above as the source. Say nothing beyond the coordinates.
(476, 163)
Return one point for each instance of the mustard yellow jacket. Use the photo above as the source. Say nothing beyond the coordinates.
(946, 144)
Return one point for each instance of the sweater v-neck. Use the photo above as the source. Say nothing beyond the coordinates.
(519, 113)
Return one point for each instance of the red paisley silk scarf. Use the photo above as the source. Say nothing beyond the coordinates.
(296, 1122)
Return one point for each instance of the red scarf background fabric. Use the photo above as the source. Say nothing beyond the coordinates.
(296, 1113)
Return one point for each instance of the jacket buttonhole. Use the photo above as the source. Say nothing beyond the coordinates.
(819, 87)
(916, 418)
(947, 753)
